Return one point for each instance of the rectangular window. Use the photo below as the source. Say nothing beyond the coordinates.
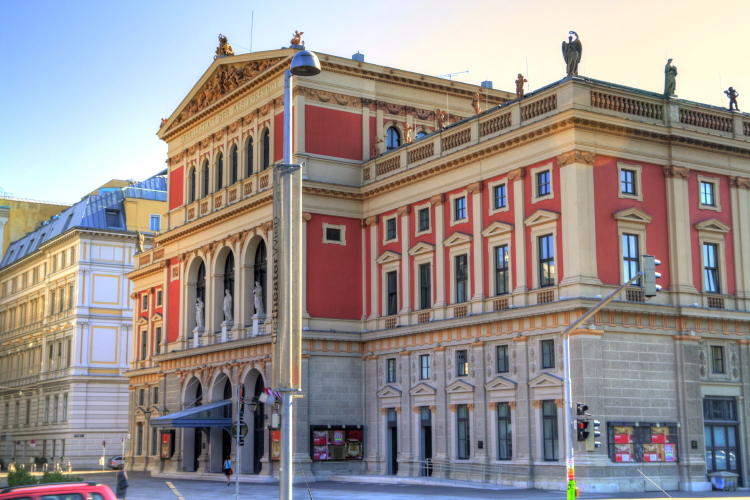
(154, 441)
(71, 289)
(157, 340)
(139, 440)
(6, 419)
(113, 218)
(707, 194)
(159, 296)
(392, 290)
(504, 432)
(543, 187)
(155, 395)
(424, 367)
(464, 437)
(390, 229)
(333, 234)
(627, 182)
(717, 359)
(631, 261)
(502, 286)
(68, 352)
(17, 414)
(424, 219)
(144, 344)
(65, 408)
(144, 302)
(53, 303)
(56, 402)
(642, 441)
(548, 353)
(390, 365)
(462, 363)
(141, 397)
(711, 268)
(546, 261)
(502, 359)
(459, 208)
(499, 196)
(28, 411)
(462, 278)
(425, 286)
(155, 223)
(549, 431)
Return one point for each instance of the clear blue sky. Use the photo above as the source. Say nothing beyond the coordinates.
(85, 82)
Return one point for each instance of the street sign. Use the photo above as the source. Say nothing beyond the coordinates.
(243, 429)
(104, 443)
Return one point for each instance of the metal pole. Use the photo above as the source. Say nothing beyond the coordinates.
(569, 463)
(237, 442)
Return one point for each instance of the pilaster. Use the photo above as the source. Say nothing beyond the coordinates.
(441, 417)
(517, 178)
(680, 251)
(478, 297)
(523, 448)
(406, 295)
(437, 202)
(374, 277)
(740, 205)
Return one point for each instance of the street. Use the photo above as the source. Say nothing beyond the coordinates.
(145, 487)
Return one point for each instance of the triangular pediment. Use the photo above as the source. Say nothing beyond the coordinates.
(156, 317)
(142, 321)
(422, 389)
(713, 225)
(459, 386)
(500, 383)
(389, 392)
(457, 239)
(421, 248)
(545, 380)
(496, 229)
(540, 217)
(224, 77)
(388, 256)
(633, 215)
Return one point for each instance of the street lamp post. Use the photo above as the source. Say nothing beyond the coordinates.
(286, 326)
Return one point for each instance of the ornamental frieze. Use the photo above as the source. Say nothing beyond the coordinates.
(576, 156)
(329, 97)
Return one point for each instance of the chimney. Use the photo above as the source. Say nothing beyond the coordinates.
(359, 57)
(486, 84)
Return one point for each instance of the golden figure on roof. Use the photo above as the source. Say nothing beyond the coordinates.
(224, 49)
(297, 38)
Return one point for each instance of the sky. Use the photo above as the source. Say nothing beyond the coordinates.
(84, 83)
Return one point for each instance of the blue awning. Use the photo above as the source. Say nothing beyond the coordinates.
(208, 415)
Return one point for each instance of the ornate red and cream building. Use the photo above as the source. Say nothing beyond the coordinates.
(440, 271)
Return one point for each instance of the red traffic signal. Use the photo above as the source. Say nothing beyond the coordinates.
(581, 430)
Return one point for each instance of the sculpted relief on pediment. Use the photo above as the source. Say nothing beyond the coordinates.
(227, 78)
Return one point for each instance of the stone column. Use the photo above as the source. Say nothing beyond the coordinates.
(373, 436)
(441, 416)
(740, 203)
(366, 129)
(680, 245)
(406, 453)
(406, 295)
(578, 223)
(523, 448)
(477, 209)
(374, 277)
(518, 253)
(306, 216)
(439, 228)
(480, 412)
(379, 128)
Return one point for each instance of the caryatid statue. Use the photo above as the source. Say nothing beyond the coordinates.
(572, 50)
(670, 79)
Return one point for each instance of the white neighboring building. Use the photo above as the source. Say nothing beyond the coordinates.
(65, 327)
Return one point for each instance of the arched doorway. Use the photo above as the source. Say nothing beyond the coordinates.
(226, 438)
(258, 433)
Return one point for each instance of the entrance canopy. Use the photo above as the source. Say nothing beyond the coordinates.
(208, 415)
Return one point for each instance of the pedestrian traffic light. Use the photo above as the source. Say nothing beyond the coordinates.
(592, 433)
(581, 431)
(581, 409)
(649, 276)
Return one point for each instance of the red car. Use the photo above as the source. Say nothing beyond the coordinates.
(61, 491)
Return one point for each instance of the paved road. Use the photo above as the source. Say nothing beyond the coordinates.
(145, 487)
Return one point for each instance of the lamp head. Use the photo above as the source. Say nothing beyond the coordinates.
(305, 63)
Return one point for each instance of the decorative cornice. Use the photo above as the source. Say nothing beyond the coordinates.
(516, 175)
(739, 182)
(438, 199)
(475, 187)
(674, 171)
(576, 156)
(405, 210)
(328, 97)
(686, 338)
(372, 221)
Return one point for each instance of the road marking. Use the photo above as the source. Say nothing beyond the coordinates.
(174, 490)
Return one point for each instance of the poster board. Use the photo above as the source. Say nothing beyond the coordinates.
(336, 442)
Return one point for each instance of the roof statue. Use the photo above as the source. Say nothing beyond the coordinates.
(572, 50)
(139, 242)
(375, 147)
(519, 85)
(224, 49)
(733, 95)
(297, 39)
(475, 104)
(407, 132)
(439, 119)
(670, 79)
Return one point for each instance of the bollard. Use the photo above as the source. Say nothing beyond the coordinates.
(70, 467)
(33, 468)
(45, 467)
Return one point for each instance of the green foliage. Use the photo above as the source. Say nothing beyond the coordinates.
(20, 478)
(59, 477)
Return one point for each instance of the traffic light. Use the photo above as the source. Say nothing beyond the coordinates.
(581, 431)
(581, 409)
(649, 276)
(592, 433)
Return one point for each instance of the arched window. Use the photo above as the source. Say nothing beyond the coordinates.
(200, 283)
(260, 270)
(220, 172)
(191, 185)
(266, 149)
(249, 156)
(393, 138)
(229, 274)
(233, 165)
(206, 178)
(228, 397)
(198, 395)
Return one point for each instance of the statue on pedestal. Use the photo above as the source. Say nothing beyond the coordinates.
(670, 79)
(224, 49)
(139, 242)
(258, 299)
(407, 132)
(733, 95)
(572, 50)
(297, 38)
(375, 148)
(475, 104)
(227, 306)
(199, 313)
(440, 119)
(519, 85)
